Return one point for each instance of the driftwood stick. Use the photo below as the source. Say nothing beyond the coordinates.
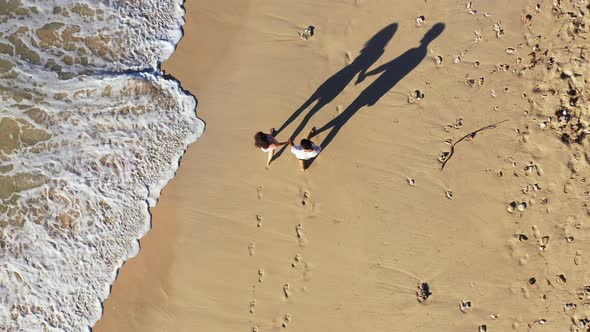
(472, 135)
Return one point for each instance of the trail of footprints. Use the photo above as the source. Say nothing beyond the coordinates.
(297, 260)
(534, 236)
(531, 236)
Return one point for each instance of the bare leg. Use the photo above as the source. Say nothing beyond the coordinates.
(302, 165)
(312, 133)
(269, 159)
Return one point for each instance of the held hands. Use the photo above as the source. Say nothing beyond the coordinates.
(360, 79)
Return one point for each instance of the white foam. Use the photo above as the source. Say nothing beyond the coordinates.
(118, 130)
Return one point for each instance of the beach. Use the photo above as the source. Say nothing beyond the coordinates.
(375, 235)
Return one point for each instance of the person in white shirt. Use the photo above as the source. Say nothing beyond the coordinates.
(306, 150)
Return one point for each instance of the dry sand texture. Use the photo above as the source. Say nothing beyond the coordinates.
(499, 235)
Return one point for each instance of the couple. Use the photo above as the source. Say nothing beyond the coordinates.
(389, 73)
(305, 151)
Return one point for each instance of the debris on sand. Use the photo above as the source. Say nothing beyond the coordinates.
(423, 292)
(307, 32)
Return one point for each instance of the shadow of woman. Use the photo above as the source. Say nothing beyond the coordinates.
(334, 85)
(391, 73)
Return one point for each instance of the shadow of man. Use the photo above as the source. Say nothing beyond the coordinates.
(391, 73)
(334, 85)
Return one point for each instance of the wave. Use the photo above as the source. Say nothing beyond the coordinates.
(90, 133)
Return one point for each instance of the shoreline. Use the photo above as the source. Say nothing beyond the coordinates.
(156, 254)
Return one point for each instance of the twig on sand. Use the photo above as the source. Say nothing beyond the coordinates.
(472, 135)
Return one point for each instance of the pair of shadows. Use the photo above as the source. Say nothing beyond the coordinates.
(390, 74)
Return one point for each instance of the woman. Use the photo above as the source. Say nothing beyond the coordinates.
(267, 143)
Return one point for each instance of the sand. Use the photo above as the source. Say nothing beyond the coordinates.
(345, 246)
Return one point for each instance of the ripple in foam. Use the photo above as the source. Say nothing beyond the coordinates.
(90, 132)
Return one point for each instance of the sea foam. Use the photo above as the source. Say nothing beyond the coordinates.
(90, 132)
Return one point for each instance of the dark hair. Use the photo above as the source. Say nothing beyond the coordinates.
(261, 140)
(434, 32)
(306, 144)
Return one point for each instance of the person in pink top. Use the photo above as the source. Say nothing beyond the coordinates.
(267, 143)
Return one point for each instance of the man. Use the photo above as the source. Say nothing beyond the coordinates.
(306, 150)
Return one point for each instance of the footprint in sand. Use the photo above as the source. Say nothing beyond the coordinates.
(483, 328)
(252, 306)
(252, 248)
(516, 206)
(423, 292)
(526, 19)
(584, 292)
(307, 272)
(411, 181)
(465, 306)
(439, 60)
(259, 220)
(420, 20)
(299, 231)
(476, 64)
(305, 197)
(505, 67)
(478, 37)
(543, 242)
(348, 57)
(443, 156)
(296, 261)
(578, 257)
(449, 194)
(260, 275)
(521, 237)
(415, 95)
(286, 320)
(286, 290)
(569, 306)
(524, 259)
(536, 232)
(259, 190)
(475, 81)
(307, 33)
(254, 328)
(458, 122)
(498, 29)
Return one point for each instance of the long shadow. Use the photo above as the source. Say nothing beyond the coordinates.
(334, 85)
(391, 73)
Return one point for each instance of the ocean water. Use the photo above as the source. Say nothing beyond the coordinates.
(90, 132)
